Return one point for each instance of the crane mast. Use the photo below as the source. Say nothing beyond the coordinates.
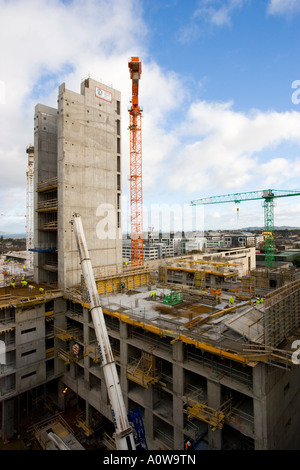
(136, 185)
(123, 431)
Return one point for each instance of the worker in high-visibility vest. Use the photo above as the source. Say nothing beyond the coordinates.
(188, 445)
(231, 300)
(24, 283)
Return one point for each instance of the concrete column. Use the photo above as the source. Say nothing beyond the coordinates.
(123, 330)
(148, 416)
(178, 389)
(178, 352)
(178, 415)
(259, 407)
(123, 356)
(214, 401)
(7, 419)
(61, 397)
(88, 414)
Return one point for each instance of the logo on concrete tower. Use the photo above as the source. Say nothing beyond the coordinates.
(2, 352)
(103, 94)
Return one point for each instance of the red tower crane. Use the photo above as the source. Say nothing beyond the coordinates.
(136, 182)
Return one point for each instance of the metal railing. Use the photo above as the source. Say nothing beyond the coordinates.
(219, 368)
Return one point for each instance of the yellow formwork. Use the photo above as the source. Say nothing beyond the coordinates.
(210, 416)
(66, 356)
(143, 373)
(200, 280)
(131, 280)
(195, 408)
(93, 352)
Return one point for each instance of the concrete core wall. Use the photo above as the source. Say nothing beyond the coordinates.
(88, 152)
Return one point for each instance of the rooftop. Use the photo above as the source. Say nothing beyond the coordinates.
(234, 332)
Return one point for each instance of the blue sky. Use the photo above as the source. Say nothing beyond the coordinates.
(249, 57)
(216, 89)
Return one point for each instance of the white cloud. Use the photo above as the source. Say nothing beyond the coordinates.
(217, 12)
(279, 171)
(225, 152)
(46, 43)
(207, 146)
(283, 6)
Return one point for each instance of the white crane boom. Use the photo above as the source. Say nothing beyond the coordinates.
(123, 431)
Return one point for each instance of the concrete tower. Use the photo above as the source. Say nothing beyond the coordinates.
(78, 163)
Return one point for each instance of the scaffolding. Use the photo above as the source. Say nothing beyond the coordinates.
(143, 372)
(92, 350)
(246, 290)
(55, 430)
(200, 279)
(195, 408)
(282, 313)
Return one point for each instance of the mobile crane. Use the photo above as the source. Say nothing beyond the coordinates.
(123, 435)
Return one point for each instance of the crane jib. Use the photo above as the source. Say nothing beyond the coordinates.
(268, 194)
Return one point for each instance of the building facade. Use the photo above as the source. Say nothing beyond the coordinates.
(77, 169)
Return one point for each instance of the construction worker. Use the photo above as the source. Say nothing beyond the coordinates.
(231, 300)
(188, 445)
(153, 295)
(24, 283)
(31, 288)
(42, 290)
(13, 285)
(259, 300)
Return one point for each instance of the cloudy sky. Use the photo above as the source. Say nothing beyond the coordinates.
(220, 91)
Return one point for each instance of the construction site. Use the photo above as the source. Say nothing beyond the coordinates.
(102, 354)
